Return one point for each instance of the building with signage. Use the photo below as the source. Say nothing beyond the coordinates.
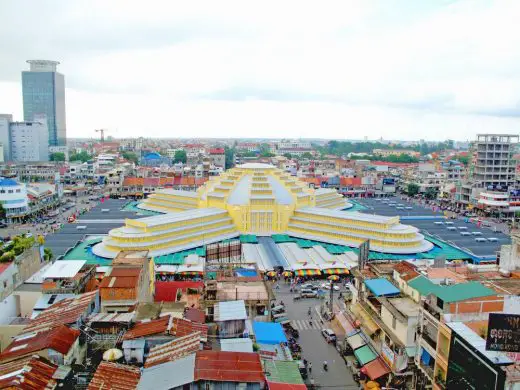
(256, 199)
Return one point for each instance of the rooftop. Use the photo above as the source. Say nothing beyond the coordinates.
(160, 377)
(228, 367)
(31, 373)
(381, 287)
(286, 372)
(64, 269)
(173, 350)
(230, 310)
(115, 377)
(236, 345)
(148, 328)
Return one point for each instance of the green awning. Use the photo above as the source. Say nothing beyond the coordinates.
(365, 355)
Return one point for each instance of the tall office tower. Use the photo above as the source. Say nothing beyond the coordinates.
(5, 120)
(30, 140)
(43, 90)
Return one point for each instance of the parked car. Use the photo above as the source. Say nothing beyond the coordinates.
(307, 293)
(309, 286)
(3, 225)
(329, 335)
(326, 286)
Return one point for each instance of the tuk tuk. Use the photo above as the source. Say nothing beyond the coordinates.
(277, 309)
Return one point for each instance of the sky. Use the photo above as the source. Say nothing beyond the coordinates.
(346, 69)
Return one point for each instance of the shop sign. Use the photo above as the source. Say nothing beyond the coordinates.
(388, 354)
(503, 332)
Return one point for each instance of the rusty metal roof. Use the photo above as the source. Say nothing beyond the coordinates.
(195, 315)
(119, 282)
(148, 328)
(115, 377)
(31, 373)
(173, 350)
(64, 312)
(181, 327)
(60, 339)
(125, 271)
(228, 367)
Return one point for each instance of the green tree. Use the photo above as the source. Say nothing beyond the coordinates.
(180, 156)
(2, 212)
(130, 156)
(230, 156)
(307, 156)
(82, 156)
(288, 155)
(412, 189)
(59, 156)
(47, 254)
(431, 193)
(463, 159)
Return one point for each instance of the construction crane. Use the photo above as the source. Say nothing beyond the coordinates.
(102, 131)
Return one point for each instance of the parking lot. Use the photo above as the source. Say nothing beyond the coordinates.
(482, 242)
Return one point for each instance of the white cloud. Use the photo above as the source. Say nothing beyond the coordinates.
(337, 69)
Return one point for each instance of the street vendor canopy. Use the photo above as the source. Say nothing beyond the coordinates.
(307, 272)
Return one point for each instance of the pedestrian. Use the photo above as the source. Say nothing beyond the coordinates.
(310, 367)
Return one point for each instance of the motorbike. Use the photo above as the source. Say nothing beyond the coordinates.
(325, 367)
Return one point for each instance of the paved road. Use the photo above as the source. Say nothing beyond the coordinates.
(314, 347)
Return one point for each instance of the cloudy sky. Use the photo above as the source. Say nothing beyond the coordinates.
(397, 69)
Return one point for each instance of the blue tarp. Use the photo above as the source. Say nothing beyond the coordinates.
(269, 333)
(246, 272)
(425, 357)
(381, 287)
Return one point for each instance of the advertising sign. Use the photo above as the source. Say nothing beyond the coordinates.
(503, 332)
(387, 354)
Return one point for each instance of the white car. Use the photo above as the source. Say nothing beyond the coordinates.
(326, 286)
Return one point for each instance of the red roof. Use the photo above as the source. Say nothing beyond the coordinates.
(148, 328)
(64, 312)
(173, 350)
(223, 366)
(167, 291)
(375, 369)
(181, 327)
(406, 270)
(119, 282)
(151, 182)
(216, 151)
(285, 386)
(115, 376)
(60, 339)
(125, 271)
(350, 181)
(195, 315)
(36, 374)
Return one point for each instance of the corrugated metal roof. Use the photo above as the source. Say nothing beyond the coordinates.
(148, 328)
(60, 339)
(160, 377)
(67, 311)
(64, 269)
(173, 350)
(181, 327)
(230, 310)
(119, 282)
(34, 373)
(381, 287)
(236, 345)
(228, 367)
(112, 317)
(137, 343)
(478, 343)
(281, 371)
(115, 377)
(195, 315)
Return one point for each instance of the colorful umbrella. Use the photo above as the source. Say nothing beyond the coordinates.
(333, 277)
(271, 273)
(287, 273)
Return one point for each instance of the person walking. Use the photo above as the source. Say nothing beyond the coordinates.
(310, 367)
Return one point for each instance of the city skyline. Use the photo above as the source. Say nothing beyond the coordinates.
(345, 70)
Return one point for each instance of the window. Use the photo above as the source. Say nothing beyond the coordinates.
(10, 191)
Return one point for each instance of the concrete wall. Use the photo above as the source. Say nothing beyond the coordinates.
(7, 332)
(405, 332)
(27, 301)
(9, 309)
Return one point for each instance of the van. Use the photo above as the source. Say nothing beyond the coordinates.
(307, 293)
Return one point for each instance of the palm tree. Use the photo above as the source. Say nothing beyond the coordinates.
(47, 254)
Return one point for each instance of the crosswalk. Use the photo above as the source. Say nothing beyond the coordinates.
(304, 325)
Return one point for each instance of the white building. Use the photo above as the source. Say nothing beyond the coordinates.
(13, 197)
(30, 140)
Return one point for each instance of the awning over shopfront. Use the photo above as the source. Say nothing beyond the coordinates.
(335, 271)
(375, 369)
(365, 319)
(307, 272)
(356, 341)
(365, 355)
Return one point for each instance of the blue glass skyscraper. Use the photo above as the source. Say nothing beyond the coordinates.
(43, 90)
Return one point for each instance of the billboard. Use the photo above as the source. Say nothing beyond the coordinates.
(388, 181)
(503, 332)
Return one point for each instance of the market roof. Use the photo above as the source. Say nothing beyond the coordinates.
(230, 310)
(281, 371)
(64, 269)
(148, 328)
(115, 377)
(269, 332)
(236, 345)
(365, 355)
(356, 341)
(160, 377)
(181, 327)
(381, 287)
(423, 285)
(228, 367)
(173, 350)
(31, 373)
(60, 339)
(477, 342)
